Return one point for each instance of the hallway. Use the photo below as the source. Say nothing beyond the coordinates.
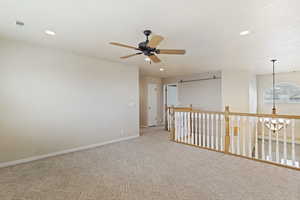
(149, 167)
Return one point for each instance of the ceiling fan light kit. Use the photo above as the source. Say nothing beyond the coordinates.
(149, 48)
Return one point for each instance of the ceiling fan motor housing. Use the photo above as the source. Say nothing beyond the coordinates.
(143, 46)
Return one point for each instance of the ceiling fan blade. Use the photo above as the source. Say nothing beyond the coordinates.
(171, 51)
(154, 58)
(123, 57)
(123, 45)
(155, 40)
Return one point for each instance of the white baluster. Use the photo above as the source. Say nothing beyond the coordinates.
(212, 143)
(200, 128)
(197, 128)
(238, 136)
(193, 128)
(270, 142)
(188, 128)
(217, 131)
(222, 128)
(176, 125)
(293, 143)
(262, 120)
(184, 127)
(250, 137)
(204, 130)
(284, 143)
(180, 126)
(277, 142)
(244, 135)
(208, 130)
(169, 121)
(256, 138)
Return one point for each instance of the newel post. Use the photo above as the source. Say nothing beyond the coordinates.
(172, 132)
(227, 130)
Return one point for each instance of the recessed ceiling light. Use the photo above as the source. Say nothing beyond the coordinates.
(147, 59)
(48, 32)
(161, 69)
(245, 32)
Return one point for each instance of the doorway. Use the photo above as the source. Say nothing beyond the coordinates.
(152, 104)
(170, 99)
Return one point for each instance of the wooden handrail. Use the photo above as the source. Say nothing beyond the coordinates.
(179, 109)
(201, 128)
(266, 115)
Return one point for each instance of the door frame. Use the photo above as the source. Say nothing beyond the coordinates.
(155, 122)
(165, 94)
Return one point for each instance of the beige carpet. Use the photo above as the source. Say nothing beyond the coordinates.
(149, 167)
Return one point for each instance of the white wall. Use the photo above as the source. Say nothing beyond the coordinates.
(239, 90)
(205, 94)
(144, 81)
(172, 95)
(51, 100)
(253, 94)
(265, 82)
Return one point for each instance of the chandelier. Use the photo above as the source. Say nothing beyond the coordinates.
(275, 125)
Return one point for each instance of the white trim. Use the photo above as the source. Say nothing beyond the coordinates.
(30, 159)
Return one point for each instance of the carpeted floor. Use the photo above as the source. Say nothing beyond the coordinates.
(149, 167)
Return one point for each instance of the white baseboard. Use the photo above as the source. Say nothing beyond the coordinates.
(26, 160)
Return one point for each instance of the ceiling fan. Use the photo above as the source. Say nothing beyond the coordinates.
(149, 48)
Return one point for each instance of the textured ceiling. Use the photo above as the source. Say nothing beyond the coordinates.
(208, 30)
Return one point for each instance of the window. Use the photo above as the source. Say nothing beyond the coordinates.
(284, 93)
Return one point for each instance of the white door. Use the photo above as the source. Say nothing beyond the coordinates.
(152, 104)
